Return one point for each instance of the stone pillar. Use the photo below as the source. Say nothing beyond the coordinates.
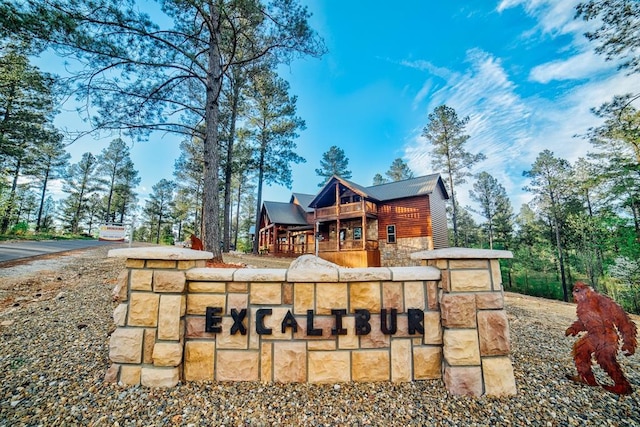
(475, 329)
(146, 347)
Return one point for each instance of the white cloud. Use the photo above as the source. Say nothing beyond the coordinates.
(583, 65)
(512, 130)
(554, 17)
(498, 120)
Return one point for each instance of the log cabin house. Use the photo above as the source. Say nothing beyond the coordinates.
(356, 226)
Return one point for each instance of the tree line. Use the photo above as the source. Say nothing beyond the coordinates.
(207, 71)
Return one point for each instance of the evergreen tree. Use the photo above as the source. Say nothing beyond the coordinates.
(617, 140)
(551, 183)
(273, 126)
(378, 179)
(495, 206)
(26, 110)
(333, 162)
(445, 131)
(167, 75)
(470, 236)
(618, 32)
(47, 215)
(159, 206)
(189, 175)
(117, 174)
(51, 161)
(399, 170)
(80, 183)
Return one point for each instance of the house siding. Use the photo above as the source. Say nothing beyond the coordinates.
(411, 216)
(412, 219)
(438, 210)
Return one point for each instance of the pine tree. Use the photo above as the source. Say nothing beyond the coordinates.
(618, 31)
(333, 162)
(80, 183)
(378, 179)
(159, 206)
(166, 73)
(51, 161)
(273, 126)
(117, 174)
(399, 170)
(495, 206)
(189, 175)
(552, 187)
(445, 131)
(26, 110)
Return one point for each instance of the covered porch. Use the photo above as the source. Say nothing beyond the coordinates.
(279, 240)
(349, 242)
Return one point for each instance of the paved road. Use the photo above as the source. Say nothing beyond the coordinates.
(16, 250)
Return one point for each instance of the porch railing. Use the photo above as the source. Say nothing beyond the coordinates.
(347, 208)
(347, 245)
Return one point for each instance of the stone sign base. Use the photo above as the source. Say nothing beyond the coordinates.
(315, 322)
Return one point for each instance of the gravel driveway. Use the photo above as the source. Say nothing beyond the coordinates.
(55, 320)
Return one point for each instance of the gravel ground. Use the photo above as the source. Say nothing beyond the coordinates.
(55, 320)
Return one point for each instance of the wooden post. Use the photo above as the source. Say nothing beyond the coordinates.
(363, 235)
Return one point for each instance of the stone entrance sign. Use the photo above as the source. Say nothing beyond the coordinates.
(314, 322)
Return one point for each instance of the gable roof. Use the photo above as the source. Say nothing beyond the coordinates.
(284, 213)
(304, 200)
(419, 186)
(408, 188)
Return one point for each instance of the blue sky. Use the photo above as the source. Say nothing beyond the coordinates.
(520, 69)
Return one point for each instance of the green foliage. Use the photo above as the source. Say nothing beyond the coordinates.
(80, 183)
(333, 162)
(446, 132)
(118, 177)
(618, 32)
(166, 73)
(399, 170)
(495, 207)
(158, 211)
(26, 108)
(20, 228)
(538, 285)
(273, 126)
(378, 179)
(44, 236)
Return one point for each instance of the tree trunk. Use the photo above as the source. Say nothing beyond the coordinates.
(635, 207)
(44, 191)
(235, 238)
(228, 170)
(259, 201)
(211, 206)
(454, 216)
(76, 218)
(110, 197)
(565, 291)
(12, 196)
(158, 229)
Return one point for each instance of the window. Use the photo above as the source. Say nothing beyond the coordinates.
(391, 233)
(357, 233)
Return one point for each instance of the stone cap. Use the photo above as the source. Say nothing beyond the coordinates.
(323, 275)
(461, 253)
(165, 253)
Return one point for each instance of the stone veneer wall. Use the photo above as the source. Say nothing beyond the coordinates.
(475, 327)
(164, 293)
(398, 254)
